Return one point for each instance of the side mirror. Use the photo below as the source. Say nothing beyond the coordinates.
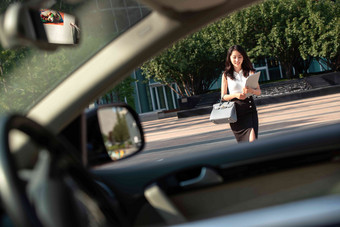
(45, 28)
(114, 132)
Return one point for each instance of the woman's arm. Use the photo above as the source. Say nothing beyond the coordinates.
(224, 86)
(257, 91)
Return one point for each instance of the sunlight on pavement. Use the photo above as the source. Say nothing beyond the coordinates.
(300, 113)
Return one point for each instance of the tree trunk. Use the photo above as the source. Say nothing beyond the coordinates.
(301, 66)
(169, 85)
(289, 69)
(335, 63)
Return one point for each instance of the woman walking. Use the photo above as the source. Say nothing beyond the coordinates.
(238, 68)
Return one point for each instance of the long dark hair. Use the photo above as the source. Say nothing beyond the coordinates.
(246, 64)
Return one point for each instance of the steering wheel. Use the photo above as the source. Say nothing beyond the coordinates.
(57, 191)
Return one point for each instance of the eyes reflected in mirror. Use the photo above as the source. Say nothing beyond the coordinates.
(121, 134)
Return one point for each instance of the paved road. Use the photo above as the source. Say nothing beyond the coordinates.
(171, 138)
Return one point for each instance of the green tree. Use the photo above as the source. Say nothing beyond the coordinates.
(242, 28)
(320, 32)
(193, 64)
(120, 132)
(278, 34)
(121, 93)
(292, 32)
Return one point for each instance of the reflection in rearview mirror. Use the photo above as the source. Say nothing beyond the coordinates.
(60, 28)
(45, 28)
(120, 132)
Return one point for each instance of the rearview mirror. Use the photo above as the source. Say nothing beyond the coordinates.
(114, 132)
(45, 28)
(120, 132)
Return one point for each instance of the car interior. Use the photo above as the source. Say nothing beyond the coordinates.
(60, 172)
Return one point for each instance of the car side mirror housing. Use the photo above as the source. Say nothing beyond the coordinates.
(114, 132)
(46, 29)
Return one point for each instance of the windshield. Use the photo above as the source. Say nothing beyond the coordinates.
(27, 74)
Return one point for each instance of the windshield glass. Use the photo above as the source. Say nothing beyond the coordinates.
(27, 74)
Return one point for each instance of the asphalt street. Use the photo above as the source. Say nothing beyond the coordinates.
(171, 138)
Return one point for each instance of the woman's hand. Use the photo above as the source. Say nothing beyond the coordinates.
(241, 96)
(247, 90)
(252, 91)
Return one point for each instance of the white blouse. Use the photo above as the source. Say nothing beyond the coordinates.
(236, 85)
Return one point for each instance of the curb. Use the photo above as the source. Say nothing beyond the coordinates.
(269, 100)
(298, 95)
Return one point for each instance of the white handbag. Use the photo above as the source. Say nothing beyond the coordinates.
(223, 112)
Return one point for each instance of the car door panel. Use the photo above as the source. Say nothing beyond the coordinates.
(239, 179)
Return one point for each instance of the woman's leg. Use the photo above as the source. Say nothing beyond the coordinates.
(254, 130)
(252, 136)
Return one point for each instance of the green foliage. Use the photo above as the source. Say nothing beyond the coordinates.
(125, 90)
(278, 31)
(291, 31)
(120, 132)
(193, 63)
(122, 91)
(321, 32)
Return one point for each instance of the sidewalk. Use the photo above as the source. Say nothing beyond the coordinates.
(274, 119)
(173, 138)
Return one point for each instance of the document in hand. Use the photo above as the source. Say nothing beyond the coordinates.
(252, 81)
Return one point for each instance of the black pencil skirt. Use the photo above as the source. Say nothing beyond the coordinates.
(247, 119)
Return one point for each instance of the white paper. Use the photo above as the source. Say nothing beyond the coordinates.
(252, 81)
